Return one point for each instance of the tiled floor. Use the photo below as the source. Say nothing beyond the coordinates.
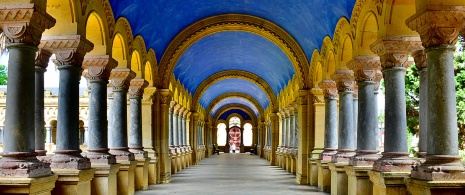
(232, 174)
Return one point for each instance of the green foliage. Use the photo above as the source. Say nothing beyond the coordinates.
(3, 74)
(412, 93)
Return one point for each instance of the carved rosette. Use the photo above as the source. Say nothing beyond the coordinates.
(364, 67)
(68, 49)
(136, 87)
(344, 80)
(24, 23)
(99, 67)
(317, 95)
(394, 51)
(120, 78)
(438, 25)
(42, 58)
(329, 89)
(420, 59)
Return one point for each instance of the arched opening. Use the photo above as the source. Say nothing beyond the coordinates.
(96, 34)
(135, 64)
(119, 51)
(221, 134)
(248, 134)
(234, 134)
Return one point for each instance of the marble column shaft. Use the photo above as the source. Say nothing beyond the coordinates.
(288, 129)
(180, 129)
(136, 91)
(42, 60)
(331, 120)
(170, 124)
(292, 129)
(175, 129)
(420, 62)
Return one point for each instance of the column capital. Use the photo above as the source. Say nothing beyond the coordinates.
(137, 87)
(24, 23)
(364, 67)
(420, 59)
(99, 66)
(394, 50)
(286, 112)
(120, 78)
(181, 111)
(344, 80)
(302, 98)
(165, 96)
(149, 94)
(273, 116)
(329, 88)
(42, 58)
(378, 77)
(438, 24)
(176, 108)
(317, 95)
(355, 95)
(68, 49)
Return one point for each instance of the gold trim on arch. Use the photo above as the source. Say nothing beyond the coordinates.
(233, 22)
(235, 106)
(234, 94)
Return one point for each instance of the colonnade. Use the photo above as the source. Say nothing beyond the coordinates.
(180, 150)
(288, 148)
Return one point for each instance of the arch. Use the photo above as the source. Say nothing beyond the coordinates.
(330, 65)
(235, 106)
(221, 134)
(150, 69)
(223, 75)
(124, 41)
(313, 67)
(139, 46)
(136, 64)
(367, 35)
(327, 54)
(95, 33)
(68, 17)
(346, 52)
(232, 22)
(235, 94)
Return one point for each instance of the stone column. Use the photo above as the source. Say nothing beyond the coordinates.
(42, 60)
(180, 128)
(149, 133)
(171, 125)
(330, 136)
(365, 68)
(195, 139)
(175, 125)
(378, 77)
(420, 61)
(273, 137)
(347, 135)
(19, 156)
(69, 58)
(291, 127)
(355, 106)
(438, 26)
(301, 137)
(393, 52)
(316, 121)
(164, 153)
(136, 91)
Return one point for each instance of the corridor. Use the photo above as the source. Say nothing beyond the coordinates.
(232, 174)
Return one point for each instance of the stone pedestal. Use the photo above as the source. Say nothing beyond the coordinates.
(32, 186)
(153, 170)
(358, 180)
(339, 179)
(179, 162)
(313, 172)
(422, 187)
(173, 162)
(388, 182)
(141, 176)
(72, 181)
(293, 166)
(324, 176)
(104, 181)
(125, 177)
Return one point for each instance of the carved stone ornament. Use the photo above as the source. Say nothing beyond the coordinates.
(364, 67)
(329, 89)
(137, 86)
(420, 59)
(149, 94)
(69, 159)
(317, 93)
(303, 97)
(378, 77)
(394, 162)
(355, 96)
(438, 24)
(42, 58)
(176, 108)
(120, 78)
(68, 49)
(24, 23)
(99, 67)
(344, 80)
(165, 96)
(394, 51)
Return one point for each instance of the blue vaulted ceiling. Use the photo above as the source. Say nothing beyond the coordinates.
(234, 100)
(234, 51)
(234, 85)
(159, 21)
(244, 115)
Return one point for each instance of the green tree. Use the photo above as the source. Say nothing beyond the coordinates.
(3, 75)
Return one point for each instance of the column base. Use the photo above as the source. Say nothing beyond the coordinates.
(104, 181)
(69, 159)
(179, 161)
(125, 177)
(139, 152)
(342, 156)
(388, 182)
(17, 165)
(122, 154)
(153, 170)
(41, 152)
(328, 154)
(100, 156)
(364, 158)
(439, 168)
(339, 178)
(142, 174)
(422, 187)
(359, 180)
(23, 185)
(73, 181)
(313, 172)
(395, 162)
(324, 176)
(173, 163)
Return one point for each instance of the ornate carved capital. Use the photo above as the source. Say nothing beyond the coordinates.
(378, 77)
(364, 67)
(181, 112)
(120, 78)
(329, 89)
(137, 86)
(42, 58)
(355, 91)
(438, 25)
(420, 59)
(394, 51)
(344, 80)
(24, 23)
(317, 95)
(149, 94)
(165, 96)
(303, 97)
(176, 108)
(99, 67)
(68, 49)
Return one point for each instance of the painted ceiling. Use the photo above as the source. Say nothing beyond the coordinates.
(159, 21)
(234, 100)
(244, 115)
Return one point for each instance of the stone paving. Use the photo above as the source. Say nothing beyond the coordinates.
(232, 174)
